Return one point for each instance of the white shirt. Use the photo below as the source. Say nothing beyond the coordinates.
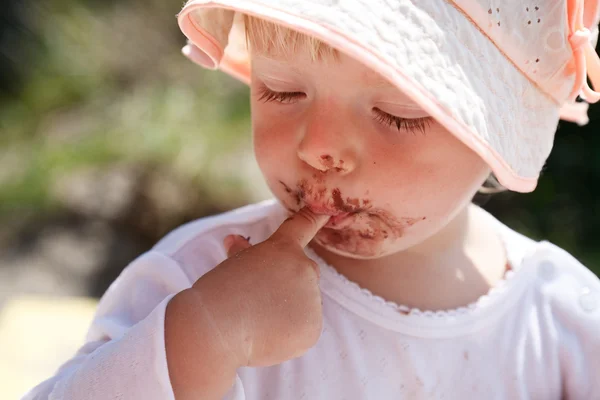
(536, 335)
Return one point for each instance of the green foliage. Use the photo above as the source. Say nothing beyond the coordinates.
(108, 84)
(105, 82)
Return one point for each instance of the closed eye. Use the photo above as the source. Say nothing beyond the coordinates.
(413, 125)
(267, 95)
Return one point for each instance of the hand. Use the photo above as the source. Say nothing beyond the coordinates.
(264, 300)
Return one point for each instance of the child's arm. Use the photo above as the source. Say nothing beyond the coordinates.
(236, 314)
(189, 337)
(124, 355)
(261, 306)
(573, 297)
(579, 336)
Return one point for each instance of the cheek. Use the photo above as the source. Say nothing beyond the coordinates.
(431, 174)
(271, 138)
(274, 150)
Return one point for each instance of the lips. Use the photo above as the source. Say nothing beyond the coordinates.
(337, 219)
(336, 216)
(320, 200)
(322, 209)
(355, 227)
(340, 221)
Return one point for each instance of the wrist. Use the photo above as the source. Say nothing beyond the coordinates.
(198, 356)
(221, 320)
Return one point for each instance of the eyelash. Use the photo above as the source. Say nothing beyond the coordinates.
(412, 125)
(267, 95)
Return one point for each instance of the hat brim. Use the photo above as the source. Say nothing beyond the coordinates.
(458, 76)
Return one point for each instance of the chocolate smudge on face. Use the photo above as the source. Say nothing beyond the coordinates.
(366, 229)
(299, 195)
(339, 237)
(311, 192)
(319, 177)
(329, 164)
(327, 161)
(411, 221)
(338, 202)
(353, 202)
(366, 235)
(286, 187)
(351, 241)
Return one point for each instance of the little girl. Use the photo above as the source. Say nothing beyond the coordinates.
(370, 275)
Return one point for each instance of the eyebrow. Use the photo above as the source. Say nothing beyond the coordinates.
(375, 80)
(275, 60)
(278, 64)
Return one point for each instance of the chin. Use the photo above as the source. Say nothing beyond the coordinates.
(360, 249)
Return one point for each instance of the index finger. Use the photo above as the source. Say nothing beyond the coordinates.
(302, 226)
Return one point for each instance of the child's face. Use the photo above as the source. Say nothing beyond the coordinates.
(326, 136)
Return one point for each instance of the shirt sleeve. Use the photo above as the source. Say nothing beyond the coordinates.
(124, 354)
(576, 309)
(582, 354)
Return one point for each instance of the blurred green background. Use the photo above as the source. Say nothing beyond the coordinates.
(110, 138)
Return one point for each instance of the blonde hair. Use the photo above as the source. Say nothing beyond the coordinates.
(271, 38)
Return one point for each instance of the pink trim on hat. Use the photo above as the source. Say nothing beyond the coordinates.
(206, 50)
(587, 62)
(584, 54)
(575, 112)
(503, 171)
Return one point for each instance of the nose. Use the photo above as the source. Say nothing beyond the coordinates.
(327, 145)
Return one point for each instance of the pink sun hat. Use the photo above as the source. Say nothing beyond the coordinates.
(497, 74)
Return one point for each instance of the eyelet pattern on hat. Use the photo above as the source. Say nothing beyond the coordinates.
(498, 75)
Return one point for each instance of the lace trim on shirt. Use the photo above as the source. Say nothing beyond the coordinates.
(501, 286)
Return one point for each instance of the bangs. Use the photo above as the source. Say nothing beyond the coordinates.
(273, 39)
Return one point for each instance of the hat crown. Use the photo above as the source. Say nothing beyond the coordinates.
(541, 38)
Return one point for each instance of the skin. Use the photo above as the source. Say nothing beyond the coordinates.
(398, 191)
(387, 206)
(259, 307)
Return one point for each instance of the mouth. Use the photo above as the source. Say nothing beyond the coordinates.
(337, 217)
(327, 208)
(324, 201)
(356, 226)
(336, 220)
